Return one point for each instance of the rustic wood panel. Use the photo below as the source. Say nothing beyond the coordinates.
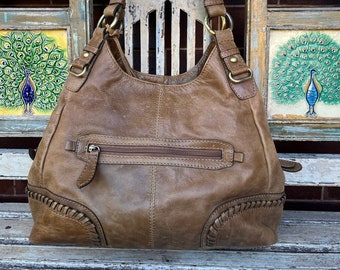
(307, 240)
(312, 17)
(317, 170)
(47, 257)
(15, 164)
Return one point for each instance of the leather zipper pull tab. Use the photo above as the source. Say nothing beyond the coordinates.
(90, 168)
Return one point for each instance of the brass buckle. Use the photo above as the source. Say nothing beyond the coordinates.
(250, 75)
(224, 23)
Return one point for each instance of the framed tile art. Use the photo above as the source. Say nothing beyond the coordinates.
(36, 48)
(295, 55)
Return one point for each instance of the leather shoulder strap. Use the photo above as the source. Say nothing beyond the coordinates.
(239, 74)
(114, 7)
(80, 66)
(113, 2)
(215, 8)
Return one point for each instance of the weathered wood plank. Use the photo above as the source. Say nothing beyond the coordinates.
(299, 231)
(308, 240)
(24, 127)
(31, 18)
(303, 131)
(318, 169)
(48, 257)
(160, 40)
(15, 164)
(175, 40)
(321, 18)
(14, 210)
(144, 39)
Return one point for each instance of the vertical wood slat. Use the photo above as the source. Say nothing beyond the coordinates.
(160, 40)
(191, 44)
(131, 17)
(81, 24)
(128, 41)
(175, 40)
(144, 42)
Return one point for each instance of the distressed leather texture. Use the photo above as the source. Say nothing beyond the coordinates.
(132, 160)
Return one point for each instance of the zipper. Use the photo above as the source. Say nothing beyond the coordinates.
(156, 151)
(193, 153)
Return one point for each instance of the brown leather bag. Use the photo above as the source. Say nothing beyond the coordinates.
(132, 160)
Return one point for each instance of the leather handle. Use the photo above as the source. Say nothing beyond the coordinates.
(113, 2)
(215, 8)
(113, 7)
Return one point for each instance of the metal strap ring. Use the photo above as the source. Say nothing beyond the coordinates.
(102, 21)
(224, 23)
(77, 74)
(250, 75)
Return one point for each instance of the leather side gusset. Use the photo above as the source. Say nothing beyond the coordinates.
(232, 210)
(91, 232)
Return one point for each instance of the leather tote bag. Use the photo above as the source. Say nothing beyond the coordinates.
(132, 160)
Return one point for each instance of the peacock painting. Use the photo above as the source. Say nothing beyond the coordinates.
(33, 69)
(27, 92)
(306, 69)
(312, 91)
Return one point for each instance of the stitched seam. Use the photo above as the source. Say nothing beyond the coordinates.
(188, 164)
(153, 176)
(105, 139)
(196, 81)
(159, 102)
(152, 207)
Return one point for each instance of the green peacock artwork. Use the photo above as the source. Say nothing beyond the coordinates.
(33, 69)
(306, 67)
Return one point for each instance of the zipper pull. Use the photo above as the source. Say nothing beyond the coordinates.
(92, 147)
(90, 168)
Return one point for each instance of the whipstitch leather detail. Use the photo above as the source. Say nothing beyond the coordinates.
(213, 230)
(68, 212)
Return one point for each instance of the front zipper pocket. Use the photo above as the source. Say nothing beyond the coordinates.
(101, 149)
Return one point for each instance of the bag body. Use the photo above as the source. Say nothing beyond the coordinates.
(132, 160)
